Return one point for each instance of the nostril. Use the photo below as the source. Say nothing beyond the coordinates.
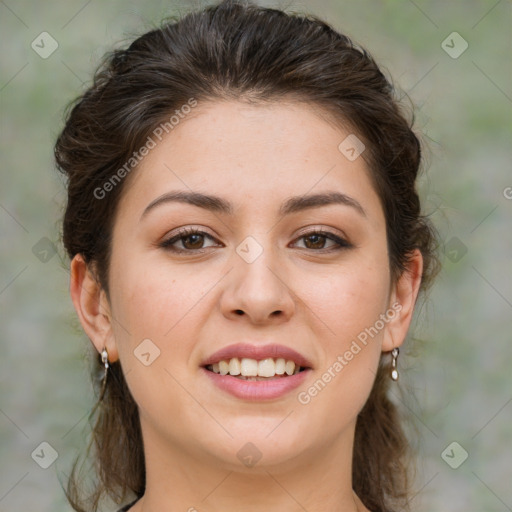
(239, 312)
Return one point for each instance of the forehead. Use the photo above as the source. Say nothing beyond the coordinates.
(255, 154)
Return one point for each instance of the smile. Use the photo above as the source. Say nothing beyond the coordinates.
(256, 373)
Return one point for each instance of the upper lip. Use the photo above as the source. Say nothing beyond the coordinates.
(258, 352)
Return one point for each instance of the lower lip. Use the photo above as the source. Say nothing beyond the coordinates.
(257, 390)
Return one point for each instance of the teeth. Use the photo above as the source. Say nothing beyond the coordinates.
(247, 367)
(234, 366)
(280, 366)
(267, 368)
(223, 367)
(289, 368)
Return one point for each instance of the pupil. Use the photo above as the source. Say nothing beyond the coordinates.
(318, 240)
(198, 240)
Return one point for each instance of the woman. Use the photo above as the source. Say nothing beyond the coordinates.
(247, 249)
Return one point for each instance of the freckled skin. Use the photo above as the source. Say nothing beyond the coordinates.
(255, 157)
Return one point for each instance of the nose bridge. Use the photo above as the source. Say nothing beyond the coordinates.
(256, 288)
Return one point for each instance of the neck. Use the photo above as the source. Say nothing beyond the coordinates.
(316, 480)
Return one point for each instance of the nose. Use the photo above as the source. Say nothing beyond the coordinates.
(258, 291)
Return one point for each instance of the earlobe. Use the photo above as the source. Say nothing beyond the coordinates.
(92, 307)
(404, 292)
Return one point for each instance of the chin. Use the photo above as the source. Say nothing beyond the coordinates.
(256, 446)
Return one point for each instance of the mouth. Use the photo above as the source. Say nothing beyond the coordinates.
(244, 362)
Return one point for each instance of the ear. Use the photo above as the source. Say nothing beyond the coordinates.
(92, 307)
(402, 300)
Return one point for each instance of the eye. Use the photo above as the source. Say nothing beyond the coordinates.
(316, 240)
(191, 240)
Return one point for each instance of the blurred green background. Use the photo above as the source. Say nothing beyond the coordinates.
(459, 366)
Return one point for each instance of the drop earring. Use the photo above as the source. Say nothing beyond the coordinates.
(394, 370)
(104, 360)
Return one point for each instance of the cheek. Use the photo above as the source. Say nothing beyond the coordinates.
(155, 329)
(151, 300)
(350, 305)
(347, 302)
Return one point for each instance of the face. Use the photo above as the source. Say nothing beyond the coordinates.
(261, 267)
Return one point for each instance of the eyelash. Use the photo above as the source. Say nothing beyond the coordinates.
(184, 233)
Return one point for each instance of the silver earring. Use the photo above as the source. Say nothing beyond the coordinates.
(104, 360)
(394, 371)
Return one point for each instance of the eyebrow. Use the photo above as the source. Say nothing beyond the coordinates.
(218, 205)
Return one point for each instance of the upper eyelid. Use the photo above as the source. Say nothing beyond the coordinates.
(323, 230)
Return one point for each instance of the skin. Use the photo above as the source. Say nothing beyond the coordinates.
(299, 292)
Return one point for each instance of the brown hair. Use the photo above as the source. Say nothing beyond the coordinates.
(239, 51)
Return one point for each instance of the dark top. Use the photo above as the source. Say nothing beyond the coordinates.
(127, 507)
